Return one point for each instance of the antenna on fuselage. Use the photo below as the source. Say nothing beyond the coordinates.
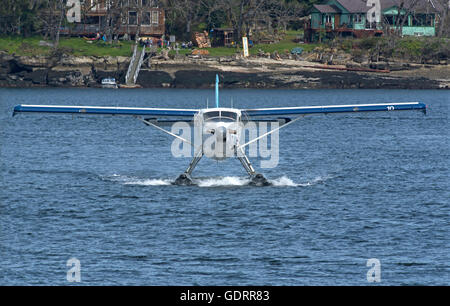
(207, 103)
(217, 90)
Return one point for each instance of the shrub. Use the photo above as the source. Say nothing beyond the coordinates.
(368, 43)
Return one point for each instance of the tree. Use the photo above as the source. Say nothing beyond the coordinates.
(240, 12)
(405, 9)
(19, 16)
(285, 11)
(444, 19)
(187, 11)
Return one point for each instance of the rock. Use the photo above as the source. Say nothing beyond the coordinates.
(379, 65)
(154, 79)
(39, 76)
(45, 44)
(70, 71)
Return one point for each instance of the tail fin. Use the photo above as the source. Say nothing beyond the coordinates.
(217, 90)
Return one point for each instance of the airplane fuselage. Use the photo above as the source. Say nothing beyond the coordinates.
(220, 129)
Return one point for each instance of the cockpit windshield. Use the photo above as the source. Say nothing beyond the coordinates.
(210, 115)
(220, 115)
(230, 115)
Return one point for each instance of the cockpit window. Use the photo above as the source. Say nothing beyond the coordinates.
(210, 115)
(220, 115)
(229, 115)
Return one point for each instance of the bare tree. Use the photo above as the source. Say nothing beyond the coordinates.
(188, 10)
(240, 12)
(444, 22)
(405, 9)
(284, 11)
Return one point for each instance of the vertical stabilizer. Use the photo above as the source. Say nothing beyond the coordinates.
(217, 90)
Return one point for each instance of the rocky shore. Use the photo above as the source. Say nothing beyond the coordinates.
(199, 72)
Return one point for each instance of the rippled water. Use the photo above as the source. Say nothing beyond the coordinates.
(347, 188)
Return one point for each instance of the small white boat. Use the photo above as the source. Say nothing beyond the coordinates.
(109, 83)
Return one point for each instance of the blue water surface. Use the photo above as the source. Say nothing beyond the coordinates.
(347, 188)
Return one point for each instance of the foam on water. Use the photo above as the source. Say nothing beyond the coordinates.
(129, 180)
(284, 181)
(226, 181)
(222, 181)
(149, 182)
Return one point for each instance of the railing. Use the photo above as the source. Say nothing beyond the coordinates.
(130, 67)
(135, 65)
(138, 67)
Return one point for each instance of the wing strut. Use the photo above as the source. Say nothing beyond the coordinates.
(268, 133)
(164, 130)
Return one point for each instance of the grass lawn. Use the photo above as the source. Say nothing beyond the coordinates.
(80, 47)
(23, 46)
(76, 46)
(286, 44)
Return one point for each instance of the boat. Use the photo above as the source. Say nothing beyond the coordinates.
(109, 83)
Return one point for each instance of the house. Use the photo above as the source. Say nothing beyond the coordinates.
(349, 18)
(130, 17)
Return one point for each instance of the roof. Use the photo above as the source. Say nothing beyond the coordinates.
(360, 6)
(324, 8)
(354, 6)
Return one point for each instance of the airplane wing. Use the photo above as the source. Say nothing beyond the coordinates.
(306, 110)
(101, 110)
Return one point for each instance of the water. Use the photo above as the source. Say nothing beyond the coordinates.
(347, 188)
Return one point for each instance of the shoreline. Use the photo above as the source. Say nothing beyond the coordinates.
(198, 72)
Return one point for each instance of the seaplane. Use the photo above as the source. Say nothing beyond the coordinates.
(223, 125)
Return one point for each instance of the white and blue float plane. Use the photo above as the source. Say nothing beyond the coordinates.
(223, 124)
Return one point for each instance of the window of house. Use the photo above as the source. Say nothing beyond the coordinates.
(420, 20)
(155, 17)
(146, 18)
(357, 18)
(328, 19)
(389, 19)
(132, 18)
